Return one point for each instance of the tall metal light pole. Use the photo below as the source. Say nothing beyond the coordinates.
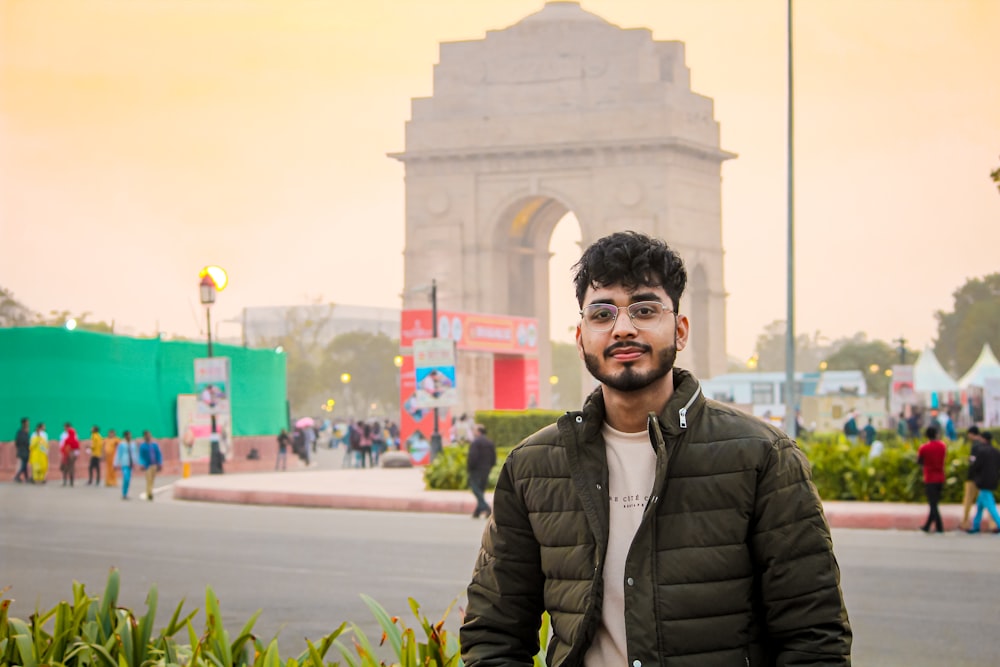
(213, 279)
(790, 416)
(436, 435)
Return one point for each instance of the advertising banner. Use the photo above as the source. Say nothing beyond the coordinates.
(211, 385)
(475, 332)
(902, 395)
(434, 364)
(195, 430)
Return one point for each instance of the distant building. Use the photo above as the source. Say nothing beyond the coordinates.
(263, 325)
(763, 394)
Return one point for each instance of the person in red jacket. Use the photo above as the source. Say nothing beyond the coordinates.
(69, 448)
(931, 457)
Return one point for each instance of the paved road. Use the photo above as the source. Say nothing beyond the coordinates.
(914, 599)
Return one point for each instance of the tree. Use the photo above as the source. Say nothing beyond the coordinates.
(369, 360)
(304, 342)
(13, 313)
(59, 318)
(872, 358)
(771, 348)
(974, 321)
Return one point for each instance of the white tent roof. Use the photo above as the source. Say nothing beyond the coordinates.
(930, 376)
(986, 366)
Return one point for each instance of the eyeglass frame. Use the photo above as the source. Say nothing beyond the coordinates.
(628, 310)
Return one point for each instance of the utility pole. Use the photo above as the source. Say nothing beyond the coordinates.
(436, 435)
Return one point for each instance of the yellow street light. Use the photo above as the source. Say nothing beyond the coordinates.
(822, 365)
(888, 372)
(397, 361)
(873, 368)
(553, 380)
(345, 378)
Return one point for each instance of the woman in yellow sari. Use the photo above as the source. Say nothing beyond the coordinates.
(110, 447)
(38, 456)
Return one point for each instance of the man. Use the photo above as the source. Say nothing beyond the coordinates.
(851, 428)
(984, 470)
(126, 457)
(870, 433)
(482, 458)
(150, 460)
(656, 527)
(22, 446)
(931, 456)
(96, 451)
(971, 492)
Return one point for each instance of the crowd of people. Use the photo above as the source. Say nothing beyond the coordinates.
(364, 441)
(115, 456)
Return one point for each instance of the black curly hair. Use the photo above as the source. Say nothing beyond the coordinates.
(631, 259)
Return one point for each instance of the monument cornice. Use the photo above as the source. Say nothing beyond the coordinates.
(562, 150)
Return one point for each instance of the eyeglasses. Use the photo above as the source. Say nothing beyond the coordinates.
(643, 314)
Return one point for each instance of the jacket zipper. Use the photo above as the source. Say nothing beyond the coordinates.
(683, 411)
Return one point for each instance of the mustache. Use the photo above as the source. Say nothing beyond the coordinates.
(610, 349)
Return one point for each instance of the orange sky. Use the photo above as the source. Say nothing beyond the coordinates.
(140, 141)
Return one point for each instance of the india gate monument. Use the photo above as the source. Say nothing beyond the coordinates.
(561, 112)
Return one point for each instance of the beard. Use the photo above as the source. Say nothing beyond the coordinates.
(630, 379)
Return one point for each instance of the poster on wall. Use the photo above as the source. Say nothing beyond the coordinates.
(194, 429)
(902, 396)
(416, 424)
(211, 385)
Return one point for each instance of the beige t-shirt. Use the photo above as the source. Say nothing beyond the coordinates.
(631, 472)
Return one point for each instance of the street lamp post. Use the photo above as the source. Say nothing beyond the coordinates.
(213, 279)
(436, 435)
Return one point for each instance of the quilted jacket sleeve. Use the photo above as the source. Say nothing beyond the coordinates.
(504, 610)
(799, 577)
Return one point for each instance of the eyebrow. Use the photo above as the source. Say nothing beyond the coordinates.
(635, 298)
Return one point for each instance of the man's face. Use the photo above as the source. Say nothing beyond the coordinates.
(625, 358)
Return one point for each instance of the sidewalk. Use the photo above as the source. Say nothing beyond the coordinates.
(402, 490)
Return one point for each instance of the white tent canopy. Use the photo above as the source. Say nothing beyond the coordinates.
(986, 366)
(929, 376)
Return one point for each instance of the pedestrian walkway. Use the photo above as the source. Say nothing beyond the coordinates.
(403, 490)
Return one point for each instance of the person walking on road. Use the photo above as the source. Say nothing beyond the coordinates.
(69, 448)
(126, 458)
(985, 472)
(39, 454)
(931, 456)
(283, 442)
(150, 460)
(482, 458)
(96, 453)
(22, 447)
(655, 526)
(970, 492)
(110, 449)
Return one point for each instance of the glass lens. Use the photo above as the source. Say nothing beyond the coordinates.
(600, 316)
(645, 313)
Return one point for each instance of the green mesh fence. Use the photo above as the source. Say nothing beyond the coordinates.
(56, 376)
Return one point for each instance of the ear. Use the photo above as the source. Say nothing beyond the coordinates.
(579, 342)
(682, 332)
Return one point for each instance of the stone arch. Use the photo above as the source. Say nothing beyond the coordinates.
(561, 111)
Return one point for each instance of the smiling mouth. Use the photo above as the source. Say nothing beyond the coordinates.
(623, 353)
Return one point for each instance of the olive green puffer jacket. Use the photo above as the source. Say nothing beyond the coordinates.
(731, 565)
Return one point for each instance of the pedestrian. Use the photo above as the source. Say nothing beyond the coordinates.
(38, 456)
(851, 428)
(110, 449)
(309, 445)
(655, 526)
(22, 447)
(984, 470)
(150, 460)
(96, 452)
(283, 442)
(931, 456)
(69, 448)
(869, 432)
(482, 457)
(126, 458)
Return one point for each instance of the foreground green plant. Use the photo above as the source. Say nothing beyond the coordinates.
(97, 632)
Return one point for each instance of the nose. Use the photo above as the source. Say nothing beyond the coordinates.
(623, 326)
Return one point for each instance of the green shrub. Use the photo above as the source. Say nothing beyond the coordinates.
(448, 469)
(507, 428)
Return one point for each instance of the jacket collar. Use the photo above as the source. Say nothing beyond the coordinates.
(685, 406)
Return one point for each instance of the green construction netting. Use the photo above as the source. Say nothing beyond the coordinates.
(56, 376)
